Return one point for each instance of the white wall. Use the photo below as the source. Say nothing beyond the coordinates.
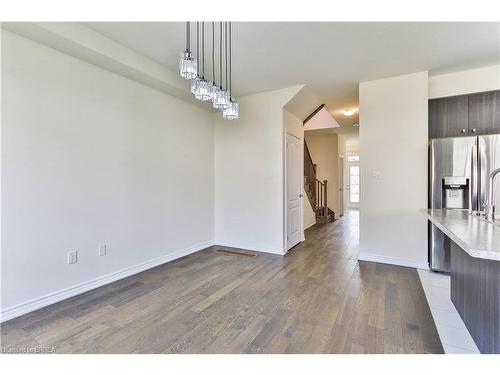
(309, 216)
(292, 124)
(249, 165)
(393, 145)
(90, 157)
(465, 82)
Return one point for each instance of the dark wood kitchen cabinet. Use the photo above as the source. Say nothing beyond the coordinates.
(475, 292)
(448, 117)
(474, 114)
(484, 113)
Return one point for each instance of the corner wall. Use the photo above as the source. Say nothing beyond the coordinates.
(89, 158)
(249, 208)
(393, 144)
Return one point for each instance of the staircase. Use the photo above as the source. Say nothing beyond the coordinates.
(316, 190)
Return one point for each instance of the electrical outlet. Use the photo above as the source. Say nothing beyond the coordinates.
(102, 250)
(72, 257)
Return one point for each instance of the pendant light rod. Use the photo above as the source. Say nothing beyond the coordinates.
(213, 52)
(225, 44)
(187, 37)
(198, 47)
(230, 63)
(203, 49)
(220, 54)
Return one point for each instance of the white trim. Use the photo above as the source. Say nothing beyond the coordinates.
(390, 260)
(310, 224)
(52, 298)
(251, 247)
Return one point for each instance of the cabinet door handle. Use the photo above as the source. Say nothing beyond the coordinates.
(464, 131)
(473, 130)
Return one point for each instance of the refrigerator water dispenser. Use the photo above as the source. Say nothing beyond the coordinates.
(455, 192)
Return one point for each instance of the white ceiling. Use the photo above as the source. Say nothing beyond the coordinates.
(331, 58)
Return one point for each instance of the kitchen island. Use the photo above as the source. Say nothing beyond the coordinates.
(475, 273)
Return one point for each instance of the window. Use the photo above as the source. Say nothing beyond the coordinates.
(354, 183)
(353, 158)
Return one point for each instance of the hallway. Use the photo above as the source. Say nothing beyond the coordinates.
(316, 299)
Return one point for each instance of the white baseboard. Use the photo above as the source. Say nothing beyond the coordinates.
(309, 225)
(390, 260)
(251, 247)
(49, 299)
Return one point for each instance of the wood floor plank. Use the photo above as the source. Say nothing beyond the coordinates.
(317, 299)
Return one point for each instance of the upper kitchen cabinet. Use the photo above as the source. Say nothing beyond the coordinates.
(484, 113)
(448, 117)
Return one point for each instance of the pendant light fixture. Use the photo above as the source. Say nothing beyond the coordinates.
(203, 87)
(194, 67)
(196, 79)
(187, 63)
(213, 86)
(232, 111)
(221, 98)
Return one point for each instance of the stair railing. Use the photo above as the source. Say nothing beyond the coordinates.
(322, 198)
(310, 176)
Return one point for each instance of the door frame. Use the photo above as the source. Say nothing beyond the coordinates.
(285, 189)
(341, 190)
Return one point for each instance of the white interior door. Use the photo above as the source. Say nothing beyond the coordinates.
(293, 190)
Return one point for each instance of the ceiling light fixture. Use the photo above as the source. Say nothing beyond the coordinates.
(232, 111)
(221, 98)
(194, 68)
(213, 86)
(202, 89)
(348, 111)
(188, 64)
(356, 125)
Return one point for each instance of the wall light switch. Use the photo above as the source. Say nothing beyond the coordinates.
(72, 257)
(102, 250)
(376, 176)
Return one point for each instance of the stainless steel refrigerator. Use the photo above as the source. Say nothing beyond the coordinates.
(458, 177)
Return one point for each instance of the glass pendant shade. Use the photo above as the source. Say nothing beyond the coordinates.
(231, 112)
(202, 91)
(213, 90)
(187, 65)
(194, 85)
(221, 99)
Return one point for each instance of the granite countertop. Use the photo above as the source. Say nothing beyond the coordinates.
(478, 237)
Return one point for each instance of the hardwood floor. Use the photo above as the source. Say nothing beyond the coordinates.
(316, 299)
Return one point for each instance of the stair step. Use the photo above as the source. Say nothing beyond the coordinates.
(325, 219)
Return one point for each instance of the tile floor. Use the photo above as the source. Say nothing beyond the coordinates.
(451, 329)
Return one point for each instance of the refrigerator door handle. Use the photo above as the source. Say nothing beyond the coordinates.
(473, 191)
